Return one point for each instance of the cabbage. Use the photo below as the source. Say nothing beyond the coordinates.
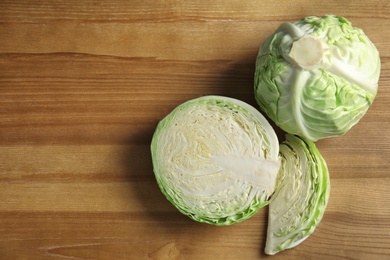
(317, 77)
(301, 195)
(216, 159)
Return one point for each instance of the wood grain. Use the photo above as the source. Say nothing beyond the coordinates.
(82, 87)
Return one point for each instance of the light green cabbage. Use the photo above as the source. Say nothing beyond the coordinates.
(216, 159)
(301, 195)
(317, 77)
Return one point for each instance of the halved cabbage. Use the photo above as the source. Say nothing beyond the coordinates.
(301, 195)
(317, 77)
(216, 159)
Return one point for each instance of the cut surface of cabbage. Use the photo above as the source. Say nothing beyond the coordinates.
(301, 195)
(216, 159)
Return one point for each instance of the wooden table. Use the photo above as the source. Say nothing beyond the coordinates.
(82, 86)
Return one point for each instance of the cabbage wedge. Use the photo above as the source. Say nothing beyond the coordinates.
(301, 195)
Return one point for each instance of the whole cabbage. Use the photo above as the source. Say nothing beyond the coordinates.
(317, 77)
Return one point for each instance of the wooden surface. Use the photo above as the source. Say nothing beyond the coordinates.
(82, 86)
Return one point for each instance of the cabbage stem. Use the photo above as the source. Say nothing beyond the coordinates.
(307, 52)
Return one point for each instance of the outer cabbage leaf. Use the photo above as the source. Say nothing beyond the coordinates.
(216, 159)
(316, 78)
(301, 195)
